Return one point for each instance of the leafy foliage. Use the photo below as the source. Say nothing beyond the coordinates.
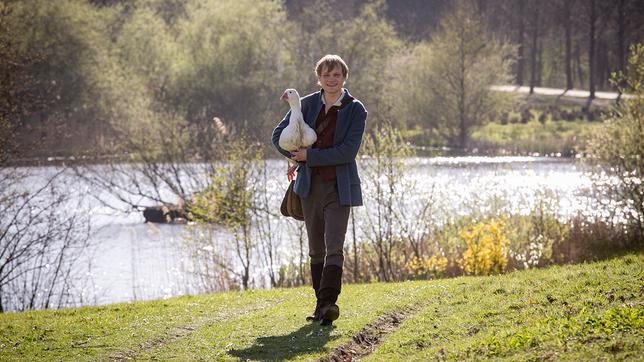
(446, 81)
(618, 147)
(487, 249)
(92, 74)
(384, 170)
(427, 268)
(230, 199)
(551, 138)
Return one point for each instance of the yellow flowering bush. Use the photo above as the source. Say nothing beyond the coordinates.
(426, 267)
(487, 249)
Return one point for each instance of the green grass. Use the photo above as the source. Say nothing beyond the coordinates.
(583, 312)
(579, 312)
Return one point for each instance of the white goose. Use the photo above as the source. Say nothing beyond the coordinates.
(297, 133)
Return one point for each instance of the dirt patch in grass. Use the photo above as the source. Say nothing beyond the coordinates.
(371, 336)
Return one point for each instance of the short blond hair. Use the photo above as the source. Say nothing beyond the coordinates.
(329, 62)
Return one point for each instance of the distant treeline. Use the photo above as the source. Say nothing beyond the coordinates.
(102, 76)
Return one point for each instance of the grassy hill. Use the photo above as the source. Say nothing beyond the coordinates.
(578, 312)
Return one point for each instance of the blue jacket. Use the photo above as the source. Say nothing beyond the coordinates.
(349, 129)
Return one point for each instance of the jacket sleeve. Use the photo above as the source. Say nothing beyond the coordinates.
(276, 135)
(344, 152)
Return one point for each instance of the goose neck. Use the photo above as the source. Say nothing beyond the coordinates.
(295, 104)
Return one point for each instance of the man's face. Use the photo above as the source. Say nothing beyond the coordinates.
(332, 80)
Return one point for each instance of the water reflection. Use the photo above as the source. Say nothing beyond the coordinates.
(132, 260)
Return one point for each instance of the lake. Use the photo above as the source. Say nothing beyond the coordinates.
(133, 260)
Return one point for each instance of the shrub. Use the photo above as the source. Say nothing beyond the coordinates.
(426, 268)
(533, 237)
(487, 249)
(385, 150)
(618, 148)
(589, 240)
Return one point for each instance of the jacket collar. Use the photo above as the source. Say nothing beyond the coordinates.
(344, 99)
(317, 106)
(338, 102)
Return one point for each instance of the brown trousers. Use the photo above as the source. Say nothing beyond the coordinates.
(326, 222)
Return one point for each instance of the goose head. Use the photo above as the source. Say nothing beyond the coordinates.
(292, 97)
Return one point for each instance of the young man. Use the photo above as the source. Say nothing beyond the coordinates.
(327, 178)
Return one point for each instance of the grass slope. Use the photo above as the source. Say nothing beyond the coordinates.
(580, 312)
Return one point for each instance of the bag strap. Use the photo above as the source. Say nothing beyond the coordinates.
(322, 126)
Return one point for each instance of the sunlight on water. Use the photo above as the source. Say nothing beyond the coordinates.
(132, 260)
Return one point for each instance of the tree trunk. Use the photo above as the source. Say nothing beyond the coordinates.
(534, 50)
(462, 139)
(539, 64)
(591, 51)
(521, 31)
(603, 65)
(620, 37)
(382, 264)
(580, 72)
(568, 28)
(246, 261)
(482, 6)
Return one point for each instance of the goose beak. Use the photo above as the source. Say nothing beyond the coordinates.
(284, 96)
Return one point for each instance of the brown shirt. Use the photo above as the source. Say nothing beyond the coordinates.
(325, 139)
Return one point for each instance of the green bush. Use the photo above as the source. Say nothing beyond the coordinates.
(617, 148)
(552, 137)
(487, 248)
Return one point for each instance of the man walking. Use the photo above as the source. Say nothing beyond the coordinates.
(327, 178)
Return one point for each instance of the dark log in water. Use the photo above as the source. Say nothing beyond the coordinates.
(165, 214)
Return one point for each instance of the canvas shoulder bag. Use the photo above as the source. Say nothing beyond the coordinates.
(291, 204)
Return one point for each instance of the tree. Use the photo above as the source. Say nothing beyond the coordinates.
(621, 15)
(233, 59)
(521, 41)
(446, 83)
(53, 96)
(368, 44)
(231, 200)
(567, 19)
(534, 65)
(618, 148)
(384, 169)
(43, 233)
(591, 47)
(11, 62)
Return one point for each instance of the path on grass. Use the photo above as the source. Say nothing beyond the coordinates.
(370, 337)
(359, 345)
(277, 330)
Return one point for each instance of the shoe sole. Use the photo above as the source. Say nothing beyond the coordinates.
(332, 313)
